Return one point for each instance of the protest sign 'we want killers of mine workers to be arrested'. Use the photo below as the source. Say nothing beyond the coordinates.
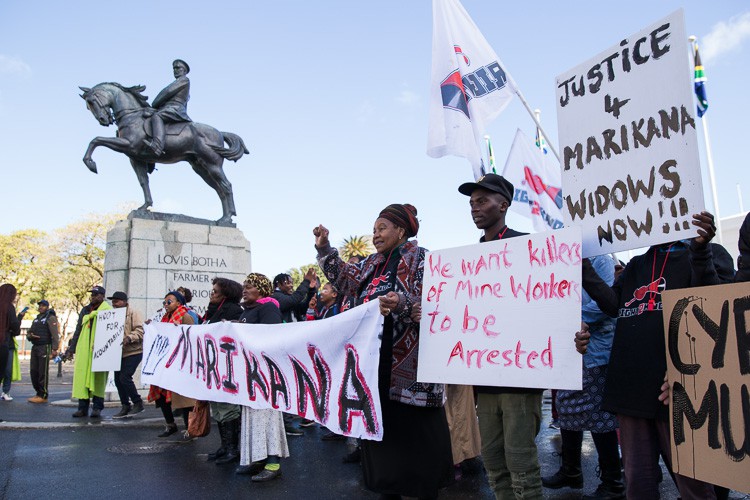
(503, 313)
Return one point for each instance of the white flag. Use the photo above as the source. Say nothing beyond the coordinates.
(469, 85)
(538, 193)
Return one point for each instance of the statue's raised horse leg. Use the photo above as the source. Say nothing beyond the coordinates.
(118, 144)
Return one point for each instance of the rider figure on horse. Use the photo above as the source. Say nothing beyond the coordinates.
(170, 106)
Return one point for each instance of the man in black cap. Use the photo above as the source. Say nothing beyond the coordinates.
(171, 106)
(509, 417)
(44, 335)
(132, 353)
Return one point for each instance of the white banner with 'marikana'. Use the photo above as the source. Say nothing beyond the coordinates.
(324, 370)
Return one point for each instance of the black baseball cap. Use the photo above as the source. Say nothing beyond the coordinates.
(43, 303)
(491, 182)
(98, 290)
(119, 296)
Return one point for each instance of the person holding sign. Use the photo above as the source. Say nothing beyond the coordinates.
(132, 354)
(88, 384)
(638, 359)
(176, 313)
(509, 417)
(414, 458)
(224, 305)
(263, 439)
(581, 410)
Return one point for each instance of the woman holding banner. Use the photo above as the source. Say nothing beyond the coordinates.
(176, 313)
(414, 458)
(263, 438)
(224, 305)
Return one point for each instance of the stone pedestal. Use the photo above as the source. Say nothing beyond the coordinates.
(146, 258)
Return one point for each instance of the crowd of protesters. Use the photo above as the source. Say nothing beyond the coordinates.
(431, 432)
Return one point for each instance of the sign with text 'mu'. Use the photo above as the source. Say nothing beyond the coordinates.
(708, 365)
(630, 166)
(503, 313)
(324, 370)
(110, 327)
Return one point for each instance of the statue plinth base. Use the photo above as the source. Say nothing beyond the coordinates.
(149, 215)
(146, 258)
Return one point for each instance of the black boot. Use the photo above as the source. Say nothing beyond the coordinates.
(570, 474)
(233, 442)
(223, 448)
(611, 487)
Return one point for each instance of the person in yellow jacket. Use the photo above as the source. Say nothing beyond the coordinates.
(88, 384)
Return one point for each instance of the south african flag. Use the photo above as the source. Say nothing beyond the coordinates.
(700, 85)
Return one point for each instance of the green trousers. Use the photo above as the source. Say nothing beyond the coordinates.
(508, 424)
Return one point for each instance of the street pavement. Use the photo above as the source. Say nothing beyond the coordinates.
(47, 453)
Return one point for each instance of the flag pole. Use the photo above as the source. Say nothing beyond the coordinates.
(536, 120)
(709, 159)
(538, 114)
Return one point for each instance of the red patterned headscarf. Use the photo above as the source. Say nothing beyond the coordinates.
(404, 216)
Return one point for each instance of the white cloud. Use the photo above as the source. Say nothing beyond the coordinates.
(725, 37)
(13, 66)
(408, 98)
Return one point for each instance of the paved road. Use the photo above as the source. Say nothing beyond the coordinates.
(48, 453)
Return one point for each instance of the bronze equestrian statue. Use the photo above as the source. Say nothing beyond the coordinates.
(163, 133)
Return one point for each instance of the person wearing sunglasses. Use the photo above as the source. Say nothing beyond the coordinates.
(176, 313)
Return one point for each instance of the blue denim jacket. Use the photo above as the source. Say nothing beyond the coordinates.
(601, 326)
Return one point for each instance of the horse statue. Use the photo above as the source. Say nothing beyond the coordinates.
(200, 145)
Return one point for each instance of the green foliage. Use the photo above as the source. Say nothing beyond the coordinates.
(60, 267)
(356, 245)
(298, 273)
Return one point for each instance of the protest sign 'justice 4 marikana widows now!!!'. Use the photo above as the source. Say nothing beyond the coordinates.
(630, 166)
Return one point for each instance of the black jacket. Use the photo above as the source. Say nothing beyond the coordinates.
(266, 314)
(638, 361)
(45, 327)
(79, 326)
(12, 329)
(289, 303)
(228, 311)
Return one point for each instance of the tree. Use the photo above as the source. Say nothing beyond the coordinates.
(21, 253)
(356, 245)
(297, 273)
(60, 267)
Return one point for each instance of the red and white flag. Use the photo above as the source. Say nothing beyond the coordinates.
(537, 184)
(469, 85)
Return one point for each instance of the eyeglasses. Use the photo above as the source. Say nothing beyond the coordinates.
(167, 302)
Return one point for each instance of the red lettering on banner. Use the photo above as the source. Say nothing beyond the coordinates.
(516, 358)
(552, 253)
(317, 390)
(435, 292)
(254, 376)
(355, 397)
(543, 290)
(439, 268)
(228, 347)
(478, 291)
(494, 261)
(471, 323)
